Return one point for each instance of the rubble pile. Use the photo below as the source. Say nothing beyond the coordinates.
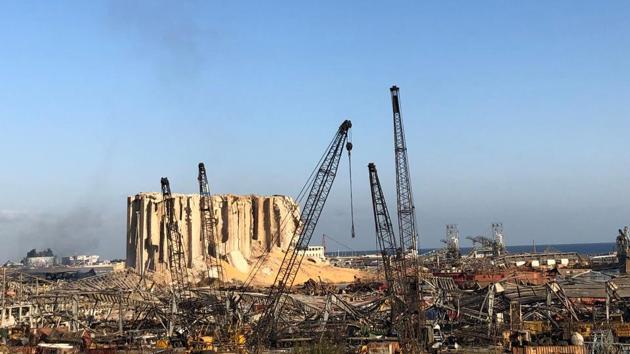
(126, 310)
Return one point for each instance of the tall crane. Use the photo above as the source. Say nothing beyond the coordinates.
(452, 242)
(385, 236)
(407, 231)
(175, 246)
(406, 209)
(497, 233)
(208, 227)
(227, 322)
(404, 317)
(266, 328)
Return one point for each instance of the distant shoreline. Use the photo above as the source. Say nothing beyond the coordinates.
(591, 248)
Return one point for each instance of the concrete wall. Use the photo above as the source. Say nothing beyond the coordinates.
(245, 224)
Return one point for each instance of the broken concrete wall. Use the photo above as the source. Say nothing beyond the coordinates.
(246, 224)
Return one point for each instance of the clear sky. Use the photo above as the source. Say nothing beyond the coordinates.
(514, 111)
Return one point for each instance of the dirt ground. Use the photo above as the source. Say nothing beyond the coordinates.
(309, 269)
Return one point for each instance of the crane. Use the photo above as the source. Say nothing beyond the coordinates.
(406, 209)
(385, 235)
(497, 232)
(481, 240)
(175, 246)
(488, 243)
(227, 326)
(208, 227)
(452, 242)
(403, 313)
(407, 231)
(266, 329)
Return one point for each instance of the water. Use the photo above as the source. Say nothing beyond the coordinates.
(581, 248)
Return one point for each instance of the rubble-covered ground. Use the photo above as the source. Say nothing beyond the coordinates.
(576, 309)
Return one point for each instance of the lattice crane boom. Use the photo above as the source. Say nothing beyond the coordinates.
(390, 252)
(407, 230)
(320, 187)
(406, 209)
(403, 315)
(175, 245)
(208, 226)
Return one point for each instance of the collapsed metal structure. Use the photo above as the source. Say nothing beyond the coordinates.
(126, 310)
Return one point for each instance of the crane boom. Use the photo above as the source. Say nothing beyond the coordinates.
(175, 245)
(321, 184)
(385, 235)
(403, 313)
(406, 209)
(208, 226)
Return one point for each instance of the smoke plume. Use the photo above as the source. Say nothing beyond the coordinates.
(78, 231)
(170, 30)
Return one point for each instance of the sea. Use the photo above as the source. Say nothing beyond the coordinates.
(590, 249)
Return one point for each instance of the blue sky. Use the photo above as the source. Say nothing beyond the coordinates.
(514, 111)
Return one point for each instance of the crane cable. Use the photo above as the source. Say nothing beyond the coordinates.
(349, 148)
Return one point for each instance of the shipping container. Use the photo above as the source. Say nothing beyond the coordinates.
(621, 330)
(551, 349)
